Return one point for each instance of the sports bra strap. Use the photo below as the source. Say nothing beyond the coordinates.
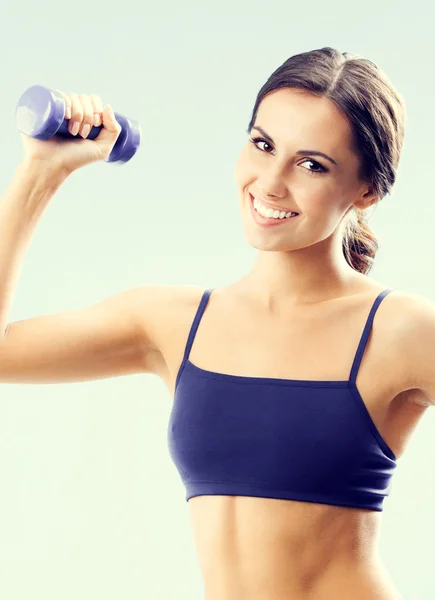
(365, 335)
(196, 320)
(359, 353)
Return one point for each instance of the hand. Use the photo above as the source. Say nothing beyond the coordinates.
(70, 155)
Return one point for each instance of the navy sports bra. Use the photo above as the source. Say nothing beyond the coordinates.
(312, 441)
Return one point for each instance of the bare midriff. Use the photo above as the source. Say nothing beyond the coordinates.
(268, 549)
(254, 548)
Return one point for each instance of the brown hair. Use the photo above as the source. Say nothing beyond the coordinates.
(376, 113)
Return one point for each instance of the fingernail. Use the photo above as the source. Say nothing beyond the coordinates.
(97, 120)
(67, 113)
(85, 131)
(75, 128)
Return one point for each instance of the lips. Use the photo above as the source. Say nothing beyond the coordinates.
(268, 205)
(265, 222)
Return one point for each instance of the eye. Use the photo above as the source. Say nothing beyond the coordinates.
(321, 168)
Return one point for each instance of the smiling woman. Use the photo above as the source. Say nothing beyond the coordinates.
(296, 388)
(354, 123)
(287, 434)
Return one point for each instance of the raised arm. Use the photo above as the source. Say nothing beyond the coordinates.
(116, 336)
(111, 338)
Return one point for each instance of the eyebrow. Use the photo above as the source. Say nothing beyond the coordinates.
(312, 152)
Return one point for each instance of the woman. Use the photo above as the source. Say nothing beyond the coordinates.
(296, 388)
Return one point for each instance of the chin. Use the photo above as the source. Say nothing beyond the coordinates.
(267, 243)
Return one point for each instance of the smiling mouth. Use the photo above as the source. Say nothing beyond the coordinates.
(267, 222)
(273, 208)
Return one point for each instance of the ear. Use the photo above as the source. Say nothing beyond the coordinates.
(367, 199)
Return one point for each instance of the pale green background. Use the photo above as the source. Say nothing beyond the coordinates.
(91, 504)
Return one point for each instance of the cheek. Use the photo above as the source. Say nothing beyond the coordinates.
(325, 200)
(321, 203)
(243, 170)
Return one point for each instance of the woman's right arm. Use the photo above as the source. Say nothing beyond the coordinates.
(111, 338)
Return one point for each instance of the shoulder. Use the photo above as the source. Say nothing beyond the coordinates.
(169, 308)
(170, 301)
(167, 316)
(412, 321)
(411, 313)
(184, 300)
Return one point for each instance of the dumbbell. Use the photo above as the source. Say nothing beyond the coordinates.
(40, 114)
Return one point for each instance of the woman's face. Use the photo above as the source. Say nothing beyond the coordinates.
(277, 172)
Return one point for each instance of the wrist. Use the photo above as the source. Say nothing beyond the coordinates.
(43, 171)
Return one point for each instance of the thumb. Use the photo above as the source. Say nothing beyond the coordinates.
(110, 130)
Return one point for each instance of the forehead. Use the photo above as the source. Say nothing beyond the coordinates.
(290, 115)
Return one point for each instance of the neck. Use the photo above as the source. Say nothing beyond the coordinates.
(306, 276)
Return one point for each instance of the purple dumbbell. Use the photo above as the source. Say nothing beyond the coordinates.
(40, 114)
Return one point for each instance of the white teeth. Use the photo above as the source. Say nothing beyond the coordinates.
(270, 213)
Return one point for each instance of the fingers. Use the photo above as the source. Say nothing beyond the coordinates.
(84, 117)
(67, 104)
(98, 108)
(83, 111)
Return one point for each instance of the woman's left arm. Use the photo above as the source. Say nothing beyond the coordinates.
(418, 337)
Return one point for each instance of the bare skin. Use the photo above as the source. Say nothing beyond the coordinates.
(300, 299)
(261, 548)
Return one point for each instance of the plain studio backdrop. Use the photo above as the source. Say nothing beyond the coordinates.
(91, 505)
